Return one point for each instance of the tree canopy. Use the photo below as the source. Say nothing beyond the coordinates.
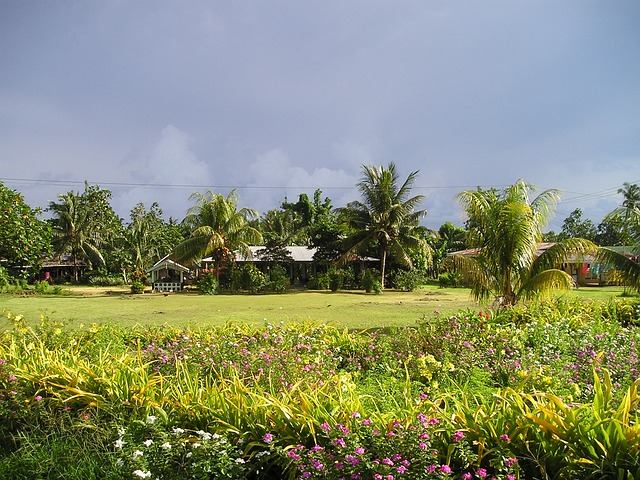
(24, 239)
(386, 218)
(506, 228)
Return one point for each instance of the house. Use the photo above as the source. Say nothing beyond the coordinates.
(167, 275)
(301, 264)
(583, 268)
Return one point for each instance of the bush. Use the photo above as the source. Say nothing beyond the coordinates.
(408, 280)
(278, 280)
(319, 282)
(449, 279)
(248, 278)
(371, 282)
(208, 284)
(336, 279)
(137, 287)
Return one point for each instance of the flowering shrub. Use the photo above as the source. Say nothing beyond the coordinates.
(420, 449)
(151, 449)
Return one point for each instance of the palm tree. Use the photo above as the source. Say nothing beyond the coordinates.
(386, 217)
(506, 229)
(218, 229)
(626, 265)
(74, 230)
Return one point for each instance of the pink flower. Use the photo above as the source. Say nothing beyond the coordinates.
(366, 421)
(505, 437)
(511, 477)
(377, 476)
(355, 415)
(38, 398)
(13, 378)
(482, 472)
(457, 436)
(423, 446)
(325, 426)
(401, 469)
(268, 438)
(359, 450)
(467, 476)
(510, 462)
(445, 469)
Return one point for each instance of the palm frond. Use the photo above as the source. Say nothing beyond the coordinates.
(545, 282)
(627, 267)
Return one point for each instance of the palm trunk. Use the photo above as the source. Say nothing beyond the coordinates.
(383, 263)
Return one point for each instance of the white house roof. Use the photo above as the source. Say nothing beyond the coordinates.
(168, 264)
(297, 253)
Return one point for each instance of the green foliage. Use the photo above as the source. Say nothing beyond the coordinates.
(408, 280)
(248, 278)
(319, 282)
(24, 239)
(278, 280)
(450, 279)
(153, 449)
(371, 282)
(208, 284)
(137, 287)
(336, 279)
(386, 218)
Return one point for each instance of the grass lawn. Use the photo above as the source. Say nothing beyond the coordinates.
(88, 305)
(350, 309)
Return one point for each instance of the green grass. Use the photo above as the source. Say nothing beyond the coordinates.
(89, 305)
(350, 309)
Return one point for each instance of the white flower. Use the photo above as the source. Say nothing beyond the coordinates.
(137, 454)
(240, 460)
(188, 455)
(151, 419)
(178, 431)
(119, 443)
(142, 474)
(204, 435)
(121, 432)
(148, 443)
(166, 446)
(195, 445)
(119, 462)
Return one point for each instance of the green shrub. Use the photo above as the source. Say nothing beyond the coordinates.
(371, 281)
(278, 280)
(248, 278)
(208, 284)
(137, 287)
(319, 282)
(408, 280)
(336, 279)
(450, 279)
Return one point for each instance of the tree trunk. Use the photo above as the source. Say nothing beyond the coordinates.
(383, 263)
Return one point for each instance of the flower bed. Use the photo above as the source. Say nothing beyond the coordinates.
(545, 388)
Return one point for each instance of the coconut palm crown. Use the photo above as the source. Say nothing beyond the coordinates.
(218, 229)
(506, 229)
(386, 217)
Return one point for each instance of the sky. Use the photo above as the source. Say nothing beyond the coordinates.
(157, 99)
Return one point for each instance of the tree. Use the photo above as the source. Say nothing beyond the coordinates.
(449, 238)
(386, 218)
(148, 238)
(24, 239)
(218, 229)
(628, 214)
(575, 227)
(506, 230)
(82, 224)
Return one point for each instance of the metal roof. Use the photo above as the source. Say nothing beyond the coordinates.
(167, 263)
(298, 254)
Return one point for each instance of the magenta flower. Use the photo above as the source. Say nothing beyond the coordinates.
(445, 469)
(505, 437)
(268, 438)
(325, 426)
(481, 472)
(401, 469)
(467, 476)
(359, 450)
(457, 436)
(38, 398)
